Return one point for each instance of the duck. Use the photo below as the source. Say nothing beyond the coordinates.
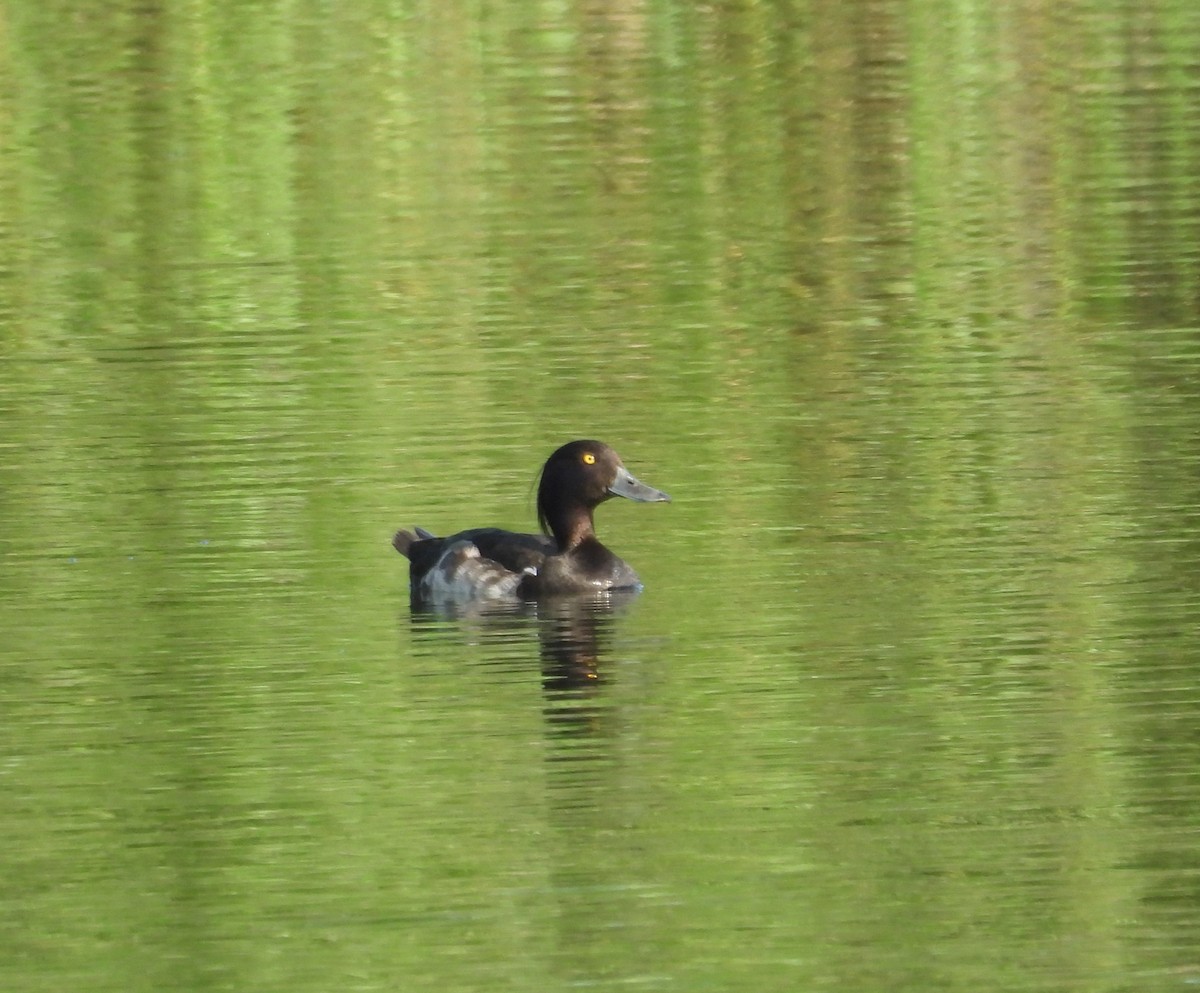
(489, 564)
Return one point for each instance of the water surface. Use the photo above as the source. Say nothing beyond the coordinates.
(898, 302)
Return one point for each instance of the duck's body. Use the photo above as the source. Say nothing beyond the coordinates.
(493, 564)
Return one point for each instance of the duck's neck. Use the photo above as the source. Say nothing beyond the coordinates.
(571, 526)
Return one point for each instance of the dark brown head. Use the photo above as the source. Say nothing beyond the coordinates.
(575, 480)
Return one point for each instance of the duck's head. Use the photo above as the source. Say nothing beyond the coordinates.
(575, 480)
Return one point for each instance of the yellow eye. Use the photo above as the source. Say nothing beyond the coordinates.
(589, 458)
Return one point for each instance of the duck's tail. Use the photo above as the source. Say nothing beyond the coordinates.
(402, 540)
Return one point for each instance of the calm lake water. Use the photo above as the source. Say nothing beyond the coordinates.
(900, 302)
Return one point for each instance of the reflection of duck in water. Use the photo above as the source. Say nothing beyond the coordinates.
(493, 564)
(573, 632)
(573, 635)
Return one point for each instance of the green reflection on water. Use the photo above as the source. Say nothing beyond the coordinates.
(898, 303)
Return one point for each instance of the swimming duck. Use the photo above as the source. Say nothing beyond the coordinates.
(493, 564)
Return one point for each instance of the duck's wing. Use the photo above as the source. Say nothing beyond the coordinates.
(461, 575)
(518, 553)
(479, 564)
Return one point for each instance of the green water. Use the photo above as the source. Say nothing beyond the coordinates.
(900, 304)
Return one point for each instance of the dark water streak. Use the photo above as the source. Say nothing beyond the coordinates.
(900, 304)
